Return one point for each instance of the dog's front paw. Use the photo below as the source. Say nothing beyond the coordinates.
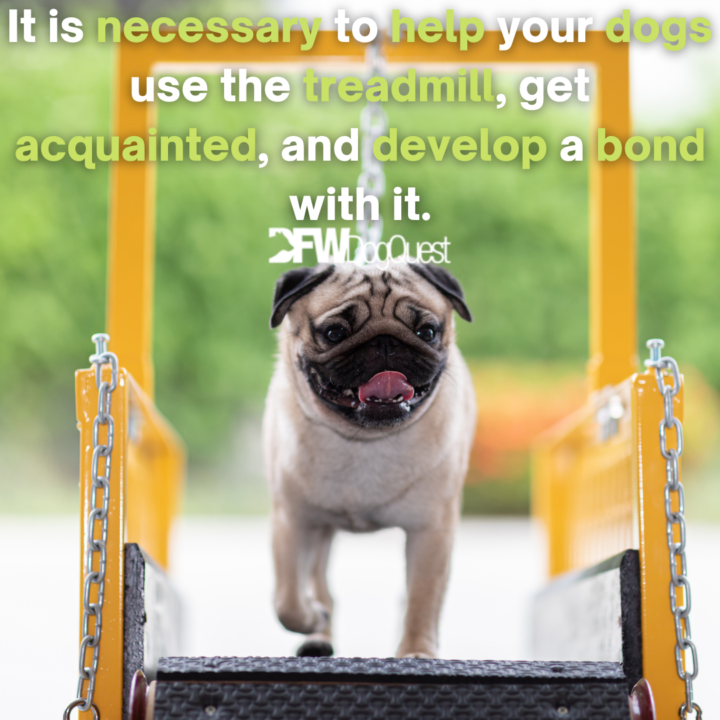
(417, 655)
(419, 648)
(304, 618)
(322, 617)
(314, 647)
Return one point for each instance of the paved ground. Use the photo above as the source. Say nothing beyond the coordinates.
(222, 569)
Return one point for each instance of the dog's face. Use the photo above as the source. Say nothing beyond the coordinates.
(367, 346)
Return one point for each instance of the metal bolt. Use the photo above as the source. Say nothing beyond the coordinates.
(615, 407)
(101, 340)
(562, 710)
(210, 710)
(655, 346)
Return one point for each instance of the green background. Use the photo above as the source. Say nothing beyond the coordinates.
(518, 246)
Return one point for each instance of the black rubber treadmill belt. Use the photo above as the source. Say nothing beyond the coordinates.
(369, 689)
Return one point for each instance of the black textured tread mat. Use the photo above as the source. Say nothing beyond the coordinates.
(372, 701)
(381, 670)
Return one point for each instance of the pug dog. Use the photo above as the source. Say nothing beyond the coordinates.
(368, 424)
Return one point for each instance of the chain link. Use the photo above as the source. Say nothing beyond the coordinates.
(675, 519)
(373, 124)
(98, 514)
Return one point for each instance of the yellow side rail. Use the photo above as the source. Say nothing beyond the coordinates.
(148, 464)
(598, 487)
(146, 471)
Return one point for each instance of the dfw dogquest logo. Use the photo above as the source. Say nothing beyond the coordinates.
(341, 245)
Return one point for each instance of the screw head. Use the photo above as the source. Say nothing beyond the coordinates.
(210, 710)
(562, 710)
(101, 340)
(655, 346)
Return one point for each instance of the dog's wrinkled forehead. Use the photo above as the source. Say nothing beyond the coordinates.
(358, 293)
(395, 293)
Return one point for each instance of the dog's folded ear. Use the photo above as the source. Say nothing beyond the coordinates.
(293, 285)
(447, 285)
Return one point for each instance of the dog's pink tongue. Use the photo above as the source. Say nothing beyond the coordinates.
(386, 386)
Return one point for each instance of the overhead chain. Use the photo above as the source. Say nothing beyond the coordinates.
(676, 518)
(102, 451)
(373, 124)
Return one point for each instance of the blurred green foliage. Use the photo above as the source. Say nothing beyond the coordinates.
(518, 240)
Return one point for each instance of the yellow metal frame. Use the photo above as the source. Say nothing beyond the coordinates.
(600, 496)
(145, 479)
(146, 474)
(613, 354)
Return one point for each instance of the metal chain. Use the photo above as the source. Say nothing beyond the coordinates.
(373, 124)
(673, 487)
(97, 514)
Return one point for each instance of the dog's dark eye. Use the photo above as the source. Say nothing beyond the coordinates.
(335, 333)
(426, 333)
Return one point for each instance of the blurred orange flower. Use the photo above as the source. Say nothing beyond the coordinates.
(517, 401)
